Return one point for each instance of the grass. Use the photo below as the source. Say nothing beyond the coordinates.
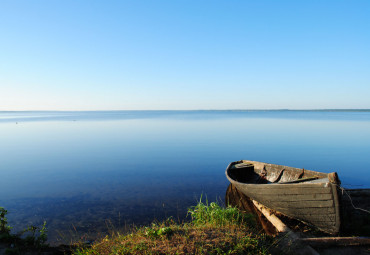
(212, 230)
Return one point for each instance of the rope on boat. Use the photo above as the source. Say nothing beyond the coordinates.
(350, 199)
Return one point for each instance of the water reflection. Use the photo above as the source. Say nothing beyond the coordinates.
(132, 167)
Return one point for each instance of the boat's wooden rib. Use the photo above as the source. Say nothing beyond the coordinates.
(303, 194)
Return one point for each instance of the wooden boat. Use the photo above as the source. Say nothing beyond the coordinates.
(309, 196)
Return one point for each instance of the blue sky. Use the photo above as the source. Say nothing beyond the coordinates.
(123, 55)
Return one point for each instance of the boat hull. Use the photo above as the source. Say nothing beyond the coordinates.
(313, 203)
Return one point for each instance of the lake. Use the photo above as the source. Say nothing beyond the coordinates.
(93, 172)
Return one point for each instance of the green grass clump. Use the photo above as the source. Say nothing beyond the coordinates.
(212, 230)
(214, 214)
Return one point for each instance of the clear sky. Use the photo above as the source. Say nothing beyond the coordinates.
(184, 54)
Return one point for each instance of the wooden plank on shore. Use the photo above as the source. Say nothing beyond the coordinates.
(289, 236)
(280, 226)
(336, 241)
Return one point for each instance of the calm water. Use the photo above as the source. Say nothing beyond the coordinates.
(85, 172)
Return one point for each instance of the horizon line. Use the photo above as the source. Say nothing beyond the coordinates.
(178, 110)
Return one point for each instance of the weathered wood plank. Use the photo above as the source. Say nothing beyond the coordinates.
(299, 204)
(336, 241)
(280, 226)
(299, 186)
(318, 222)
(312, 210)
(266, 189)
(305, 211)
(299, 197)
(288, 236)
(327, 225)
(327, 217)
(294, 204)
(336, 202)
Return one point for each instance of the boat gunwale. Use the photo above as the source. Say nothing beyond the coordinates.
(320, 174)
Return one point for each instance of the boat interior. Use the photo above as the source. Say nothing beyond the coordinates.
(261, 173)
